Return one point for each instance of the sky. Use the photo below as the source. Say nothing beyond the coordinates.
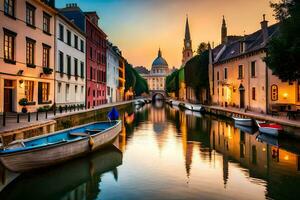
(140, 27)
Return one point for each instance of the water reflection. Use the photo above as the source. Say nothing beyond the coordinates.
(173, 154)
(78, 179)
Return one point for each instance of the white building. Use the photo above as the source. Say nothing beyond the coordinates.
(70, 63)
(113, 57)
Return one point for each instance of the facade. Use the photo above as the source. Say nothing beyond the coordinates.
(240, 78)
(96, 46)
(112, 74)
(70, 76)
(26, 54)
(156, 79)
(121, 87)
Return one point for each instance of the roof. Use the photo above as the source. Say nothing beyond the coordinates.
(253, 42)
(159, 61)
(142, 70)
(187, 30)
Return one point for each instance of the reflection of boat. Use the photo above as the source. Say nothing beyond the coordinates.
(243, 121)
(247, 129)
(190, 112)
(267, 139)
(269, 128)
(57, 147)
(6, 177)
(57, 182)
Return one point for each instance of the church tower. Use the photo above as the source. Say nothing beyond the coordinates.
(187, 52)
(224, 32)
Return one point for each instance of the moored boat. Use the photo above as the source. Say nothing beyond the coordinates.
(194, 107)
(175, 103)
(243, 121)
(50, 149)
(139, 102)
(269, 128)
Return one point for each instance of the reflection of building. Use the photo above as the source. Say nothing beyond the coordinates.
(157, 77)
(239, 76)
(27, 54)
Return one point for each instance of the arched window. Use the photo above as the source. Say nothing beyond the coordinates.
(274, 92)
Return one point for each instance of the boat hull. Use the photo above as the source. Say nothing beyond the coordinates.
(51, 155)
(270, 131)
(243, 122)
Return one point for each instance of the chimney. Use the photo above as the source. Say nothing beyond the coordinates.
(264, 29)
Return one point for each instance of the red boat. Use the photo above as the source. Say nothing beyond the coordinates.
(269, 128)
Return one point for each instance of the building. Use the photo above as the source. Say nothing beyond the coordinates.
(187, 54)
(27, 54)
(156, 79)
(240, 78)
(112, 74)
(96, 45)
(121, 87)
(70, 77)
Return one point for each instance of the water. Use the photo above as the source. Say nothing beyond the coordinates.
(164, 153)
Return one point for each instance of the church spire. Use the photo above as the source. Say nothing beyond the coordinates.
(224, 31)
(159, 52)
(187, 29)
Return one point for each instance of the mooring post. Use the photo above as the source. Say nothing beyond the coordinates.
(4, 120)
(37, 115)
(46, 114)
(18, 117)
(29, 117)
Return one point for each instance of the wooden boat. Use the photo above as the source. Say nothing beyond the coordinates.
(50, 149)
(58, 182)
(269, 128)
(243, 121)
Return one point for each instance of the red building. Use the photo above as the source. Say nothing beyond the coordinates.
(95, 61)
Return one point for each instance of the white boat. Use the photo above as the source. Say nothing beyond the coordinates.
(243, 121)
(269, 128)
(175, 103)
(139, 102)
(194, 107)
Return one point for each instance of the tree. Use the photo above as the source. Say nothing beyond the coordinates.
(283, 54)
(172, 82)
(202, 48)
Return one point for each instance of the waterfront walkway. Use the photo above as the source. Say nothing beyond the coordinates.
(12, 125)
(228, 111)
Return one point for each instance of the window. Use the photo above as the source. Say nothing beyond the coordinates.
(46, 23)
(81, 69)
(61, 32)
(76, 67)
(91, 53)
(108, 91)
(253, 72)
(298, 90)
(9, 46)
(242, 47)
(69, 37)
(61, 62)
(253, 94)
(98, 58)
(225, 73)
(82, 89)
(30, 14)
(9, 7)
(69, 65)
(30, 44)
(240, 71)
(67, 91)
(59, 87)
(29, 88)
(218, 76)
(76, 41)
(91, 73)
(76, 88)
(81, 46)
(46, 55)
(274, 92)
(44, 89)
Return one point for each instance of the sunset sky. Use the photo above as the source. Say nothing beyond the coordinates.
(140, 27)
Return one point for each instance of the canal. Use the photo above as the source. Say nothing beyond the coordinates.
(166, 153)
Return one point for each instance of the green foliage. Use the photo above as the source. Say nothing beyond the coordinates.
(196, 72)
(23, 102)
(284, 50)
(202, 48)
(43, 108)
(172, 82)
(135, 81)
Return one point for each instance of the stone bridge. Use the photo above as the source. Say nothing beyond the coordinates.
(157, 94)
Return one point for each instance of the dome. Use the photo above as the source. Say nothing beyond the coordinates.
(159, 61)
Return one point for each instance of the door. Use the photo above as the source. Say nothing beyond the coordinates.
(242, 98)
(7, 100)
